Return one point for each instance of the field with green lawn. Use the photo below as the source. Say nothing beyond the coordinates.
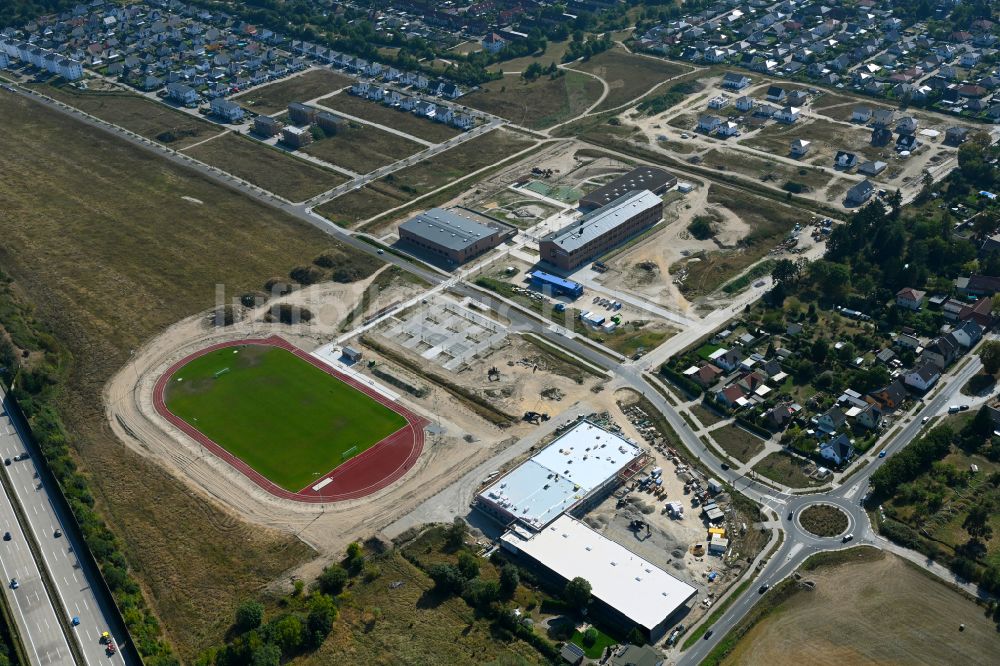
(286, 418)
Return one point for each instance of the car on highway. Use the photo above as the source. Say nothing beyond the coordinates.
(57, 533)
(881, 454)
(14, 584)
(724, 466)
(848, 537)
(75, 621)
(763, 588)
(925, 419)
(790, 514)
(6, 536)
(6, 461)
(380, 251)
(708, 634)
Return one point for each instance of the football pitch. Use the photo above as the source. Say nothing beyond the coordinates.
(284, 417)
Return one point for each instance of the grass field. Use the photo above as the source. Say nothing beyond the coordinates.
(628, 75)
(422, 128)
(737, 442)
(97, 234)
(875, 610)
(823, 520)
(283, 416)
(266, 167)
(362, 148)
(537, 104)
(144, 117)
(407, 184)
(785, 469)
(277, 96)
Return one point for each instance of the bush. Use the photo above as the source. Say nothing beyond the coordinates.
(590, 637)
(249, 615)
(333, 579)
(288, 314)
(701, 227)
(468, 565)
(306, 274)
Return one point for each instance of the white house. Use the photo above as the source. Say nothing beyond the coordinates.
(181, 93)
(735, 81)
(861, 114)
(708, 124)
(493, 42)
(728, 129)
(745, 103)
(718, 102)
(924, 377)
(800, 147)
(838, 450)
(228, 111)
(463, 121)
(787, 115)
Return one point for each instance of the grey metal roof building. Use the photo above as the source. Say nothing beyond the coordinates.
(602, 229)
(655, 180)
(451, 234)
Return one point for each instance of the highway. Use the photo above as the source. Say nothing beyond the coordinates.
(36, 618)
(76, 598)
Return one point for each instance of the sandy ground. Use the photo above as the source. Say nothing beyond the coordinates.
(328, 528)
(644, 269)
(882, 612)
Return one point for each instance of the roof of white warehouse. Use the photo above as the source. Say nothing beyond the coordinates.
(639, 590)
(561, 474)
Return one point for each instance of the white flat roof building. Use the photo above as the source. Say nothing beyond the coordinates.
(640, 592)
(578, 463)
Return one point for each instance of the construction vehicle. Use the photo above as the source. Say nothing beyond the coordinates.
(535, 417)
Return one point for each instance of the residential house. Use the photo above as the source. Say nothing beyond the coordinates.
(781, 414)
(872, 168)
(776, 94)
(787, 115)
(880, 136)
(907, 341)
(297, 137)
(942, 351)
(800, 147)
(910, 298)
(890, 396)
(745, 103)
(860, 193)
(727, 359)
(883, 117)
(182, 94)
(231, 112)
(731, 396)
(832, 420)
(906, 125)
(952, 308)
(885, 356)
(706, 375)
(709, 124)
(734, 81)
(968, 334)
(330, 123)
(845, 160)
(861, 114)
(977, 285)
(728, 128)
(980, 312)
(797, 98)
(719, 102)
(463, 121)
(838, 450)
(493, 42)
(923, 377)
(956, 135)
(906, 143)
(869, 417)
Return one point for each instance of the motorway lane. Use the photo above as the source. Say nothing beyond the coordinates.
(30, 605)
(75, 596)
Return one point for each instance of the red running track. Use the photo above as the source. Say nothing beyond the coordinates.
(366, 473)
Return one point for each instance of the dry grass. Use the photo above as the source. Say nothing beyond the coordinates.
(823, 520)
(737, 442)
(537, 104)
(407, 184)
(628, 75)
(138, 114)
(403, 121)
(266, 167)
(276, 96)
(871, 612)
(97, 234)
(362, 148)
(784, 468)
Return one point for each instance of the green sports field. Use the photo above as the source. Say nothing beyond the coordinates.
(283, 416)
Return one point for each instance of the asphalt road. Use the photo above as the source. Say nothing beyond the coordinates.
(30, 605)
(76, 598)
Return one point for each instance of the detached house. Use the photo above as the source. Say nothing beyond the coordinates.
(787, 115)
(924, 377)
(832, 420)
(800, 147)
(735, 81)
(942, 352)
(869, 417)
(909, 298)
(838, 450)
(776, 94)
(890, 396)
(709, 124)
(845, 160)
(229, 111)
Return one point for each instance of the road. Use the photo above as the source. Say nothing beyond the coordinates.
(33, 611)
(76, 598)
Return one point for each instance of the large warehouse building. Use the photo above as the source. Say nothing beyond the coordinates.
(580, 466)
(655, 180)
(455, 235)
(597, 232)
(630, 591)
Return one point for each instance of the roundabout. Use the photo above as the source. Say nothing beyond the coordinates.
(824, 520)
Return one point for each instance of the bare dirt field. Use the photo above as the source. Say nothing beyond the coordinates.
(874, 612)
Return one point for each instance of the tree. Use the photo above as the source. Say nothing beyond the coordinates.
(287, 633)
(820, 350)
(447, 579)
(322, 613)
(468, 565)
(509, 580)
(701, 227)
(785, 271)
(577, 593)
(454, 538)
(333, 579)
(355, 559)
(590, 637)
(990, 356)
(977, 523)
(266, 655)
(249, 615)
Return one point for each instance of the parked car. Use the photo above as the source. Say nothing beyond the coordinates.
(964, 408)
(953, 409)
